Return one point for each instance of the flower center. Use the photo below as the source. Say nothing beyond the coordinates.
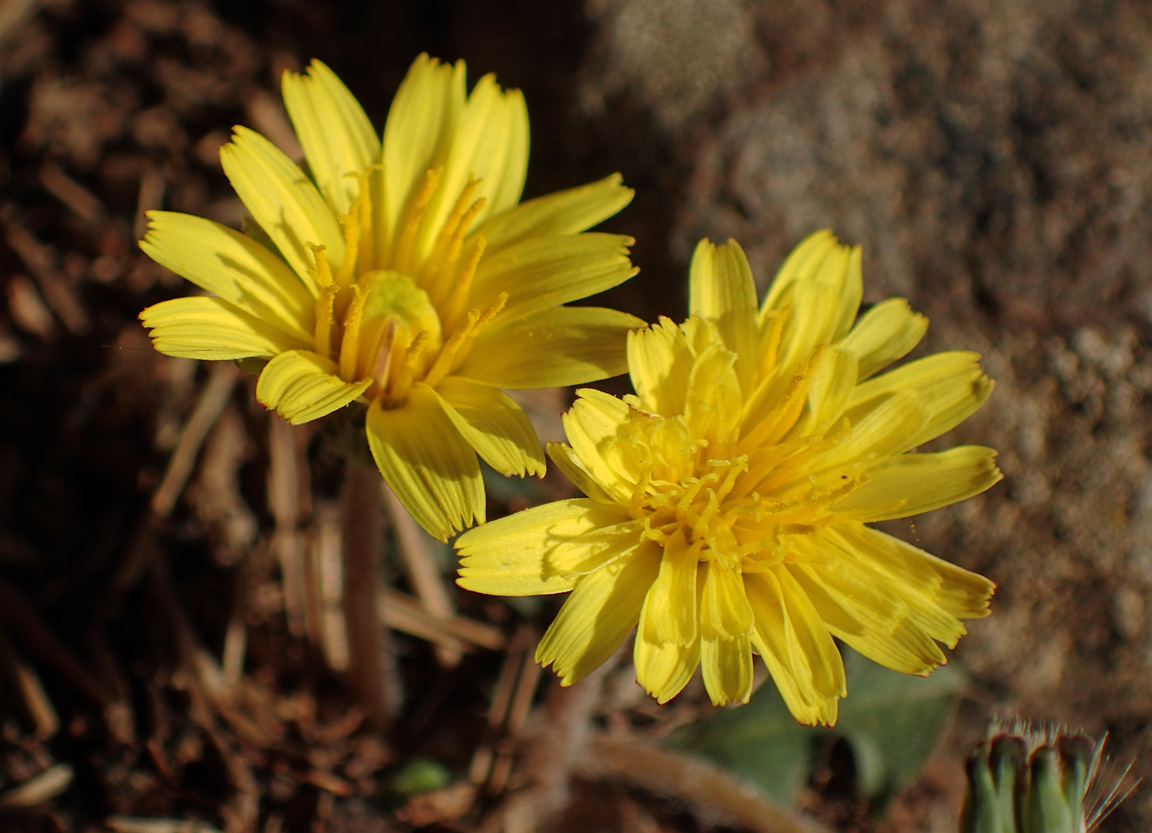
(738, 511)
(393, 312)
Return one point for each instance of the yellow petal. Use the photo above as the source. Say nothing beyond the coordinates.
(713, 401)
(819, 261)
(948, 386)
(724, 610)
(659, 362)
(541, 550)
(591, 425)
(830, 389)
(494, 425)
(427, 463)
(663, 668)
(574, 469)
(489, 142)
(544, 272)
(302, 386)
(798, 650)
(670, 613)
(810, 323)
(333, 129)
(869, 617)
(913, 609)
(914, 483)
(885, 333)
(211, 328)
(726, 665)
(721, 290)
(593, 622)
(503, 164)
(238, 269)
(418, 132)
(283, 201)
(552, 348)
(877, 434)
(960, 592)
(563, 213)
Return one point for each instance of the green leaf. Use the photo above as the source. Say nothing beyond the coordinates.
(760, 742)
(891, 722)
(419, 775)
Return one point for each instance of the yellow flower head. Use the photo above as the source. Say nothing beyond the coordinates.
(727, 500)
(404, 274)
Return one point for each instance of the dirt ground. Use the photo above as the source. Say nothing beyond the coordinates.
(167, 646)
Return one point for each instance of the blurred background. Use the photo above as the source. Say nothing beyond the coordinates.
(167, 646)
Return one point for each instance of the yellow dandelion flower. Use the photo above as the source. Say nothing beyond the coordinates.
(403, 274)
(727, 501)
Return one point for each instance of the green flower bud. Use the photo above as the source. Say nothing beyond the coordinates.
(1045, 780)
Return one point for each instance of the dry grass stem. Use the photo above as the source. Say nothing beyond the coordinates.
(420, 568)
(326, 568)
(39, 641)
(82, 202)
(669, 773)
(42, 263)
(129, 824)
(213, 399)
(40, 788)
(459, 633)
(29, 690)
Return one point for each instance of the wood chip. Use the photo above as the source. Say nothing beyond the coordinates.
(82, 202)
(40, 789)
(131, 824)
(28, 310)
(13, 13)
(149, 197)
(30, 690)
(42, 263)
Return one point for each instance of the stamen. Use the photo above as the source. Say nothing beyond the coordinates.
(322, 333)
(447, 246)
(783, 416)
(322, 274)
(772, 341)
(345, 275)
(635, 505)
(363, 209)
(350, 343)
(383, 363)
(402, 260)
(457, 300)
(461, 340)
(736, 467)
(402, 380)
(710, 511)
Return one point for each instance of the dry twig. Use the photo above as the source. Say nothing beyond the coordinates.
(420, 568)
(26, 682)
(669, 773)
